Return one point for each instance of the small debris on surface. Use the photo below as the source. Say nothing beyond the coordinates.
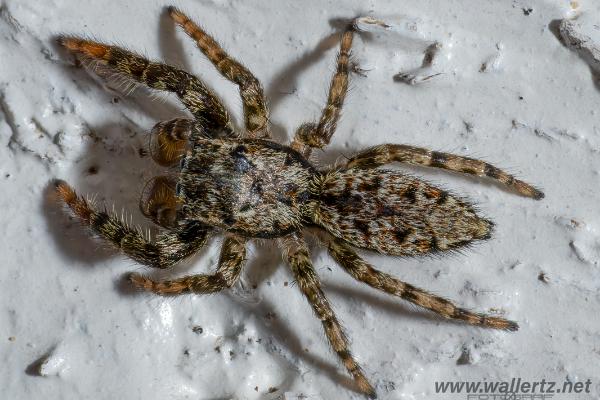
(355, 67)
(468, 126)
(272, 389)
(543, 277)
(93, 170)
(270, 316)
(465, 357)
(527, 11)
(299, 396)
(48, 365)
(569, 223)
(430, 52)
(583, 45)
(586, 248)
(413, 79)
(542, 133)
(12, 338)
(577, 251)
(197, 330)
(389, 386)
(493, 62)
(497, 311)
(360, 22)
(425, 72)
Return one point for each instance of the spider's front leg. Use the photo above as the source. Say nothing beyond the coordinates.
(364, 272)
(169, 247)
(318, 135)
(198, 99)
(299, 259)
(231, 262)
(256, 114)
(387, 153)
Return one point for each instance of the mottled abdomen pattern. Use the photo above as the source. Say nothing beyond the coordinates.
(395, 214)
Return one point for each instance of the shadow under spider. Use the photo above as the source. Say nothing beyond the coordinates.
(287, 338)
(171, 47)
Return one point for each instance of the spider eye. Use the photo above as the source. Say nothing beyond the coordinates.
(159, 201)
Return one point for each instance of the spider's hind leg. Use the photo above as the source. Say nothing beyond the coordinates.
(298, 257)
(256, 114)
(169, 247)
(387, 153)
(364, 272)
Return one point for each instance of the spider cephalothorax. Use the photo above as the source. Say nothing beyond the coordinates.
(247, 186)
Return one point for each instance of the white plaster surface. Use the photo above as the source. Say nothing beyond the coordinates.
(509, 92)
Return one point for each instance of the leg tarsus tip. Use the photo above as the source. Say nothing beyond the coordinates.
(137, 280)
(58, 183)
(512, 326)
(538, 195)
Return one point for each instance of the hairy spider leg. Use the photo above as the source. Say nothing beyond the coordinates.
(231, 262)
(299, 259)
(256, 114)
(169, 247)
(318, 135)
(387, 153)
(364, 272)
(198, 99)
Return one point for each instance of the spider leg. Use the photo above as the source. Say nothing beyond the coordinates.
(308, 282)
(197, 98)
(318, 135)
(364, 272)
(231, 261)
(256, 114)
(387, 153)
(168, 248)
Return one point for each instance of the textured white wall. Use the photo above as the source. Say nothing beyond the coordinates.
(69, 327)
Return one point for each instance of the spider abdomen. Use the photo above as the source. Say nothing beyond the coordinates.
(253, 187)
(396, 214)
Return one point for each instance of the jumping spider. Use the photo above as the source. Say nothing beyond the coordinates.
(248, 186)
